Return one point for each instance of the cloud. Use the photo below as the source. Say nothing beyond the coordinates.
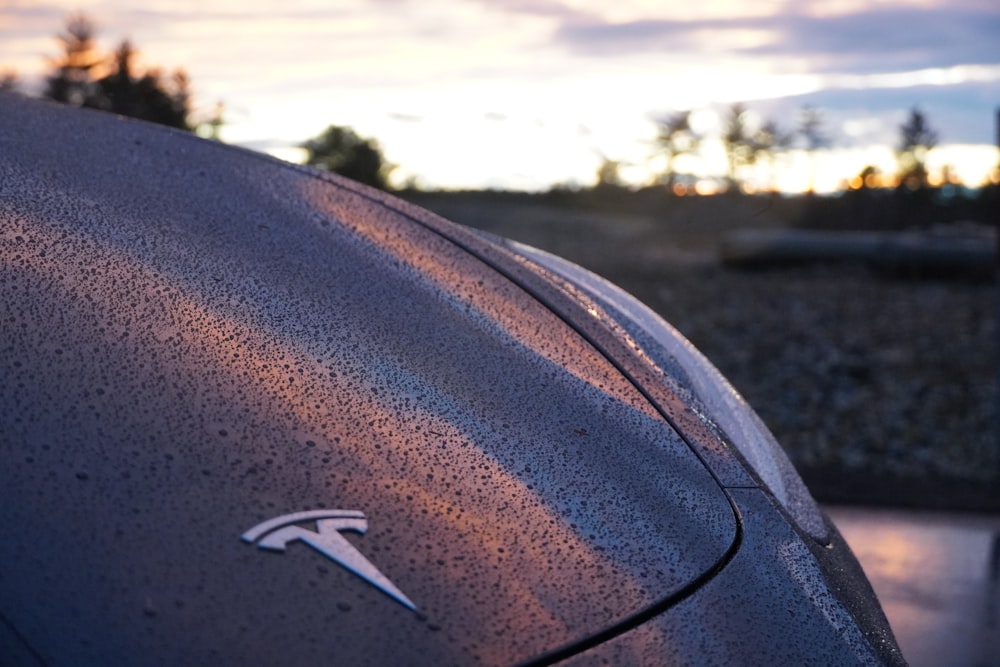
(601, 38)
(20, 21)
(891, 39)
(963, 113)
(869, 41)
(405, 117)
(543, 8)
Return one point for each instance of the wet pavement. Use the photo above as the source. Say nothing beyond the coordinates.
(938, 578)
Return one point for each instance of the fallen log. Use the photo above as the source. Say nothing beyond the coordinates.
(935, 252)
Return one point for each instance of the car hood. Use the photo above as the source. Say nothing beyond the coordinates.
(198, 340)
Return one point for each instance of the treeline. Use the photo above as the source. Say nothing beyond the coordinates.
(760, 144)
(83, 75)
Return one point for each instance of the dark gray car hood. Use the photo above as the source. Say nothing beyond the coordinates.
(196, 339)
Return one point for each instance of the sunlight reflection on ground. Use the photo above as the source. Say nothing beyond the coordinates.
(936, 577)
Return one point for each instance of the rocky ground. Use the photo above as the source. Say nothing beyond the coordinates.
(882, 388)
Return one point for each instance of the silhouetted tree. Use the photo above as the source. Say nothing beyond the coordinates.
(9, 81)
(212, 127)
(73, 79)
(767, 142)
(811, 128)
(146, 97)
(738, 142)
(122, 90)
(609, 174)
(811, 132)
(746, 145)
(674, 138)
(117, 92)
(916, 139)
(913, 200)
(868, 177)
(342, 151)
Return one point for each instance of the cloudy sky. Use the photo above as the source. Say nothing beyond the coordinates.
(525, 93)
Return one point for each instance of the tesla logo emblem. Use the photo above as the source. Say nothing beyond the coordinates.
(275, 534)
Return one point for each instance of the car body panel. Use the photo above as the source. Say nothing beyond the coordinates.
(211, 361)
(198, 339)
(725, 614)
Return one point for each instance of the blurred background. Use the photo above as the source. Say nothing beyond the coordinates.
(529, 94)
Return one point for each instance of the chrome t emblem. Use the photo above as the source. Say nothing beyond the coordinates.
(275, 534)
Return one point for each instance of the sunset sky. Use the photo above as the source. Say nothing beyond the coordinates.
(527, 93)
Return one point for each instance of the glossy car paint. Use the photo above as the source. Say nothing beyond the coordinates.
(198, 339)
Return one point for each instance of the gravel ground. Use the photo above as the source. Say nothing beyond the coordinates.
(881, 389)
(850, 370)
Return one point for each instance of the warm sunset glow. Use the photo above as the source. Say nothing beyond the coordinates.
(707, 188)
(532, 93)
(932, 575)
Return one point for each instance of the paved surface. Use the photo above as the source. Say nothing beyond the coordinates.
(938, 578)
